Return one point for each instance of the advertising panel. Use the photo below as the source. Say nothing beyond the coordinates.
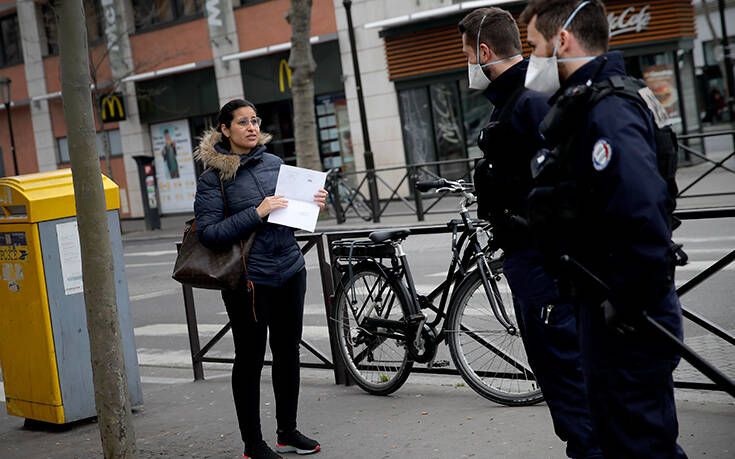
(174, 166)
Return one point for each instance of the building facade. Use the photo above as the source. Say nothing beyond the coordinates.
(418, 104)
(173, 63)
(167, 66)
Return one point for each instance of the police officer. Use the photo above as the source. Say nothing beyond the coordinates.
(492, 44)
(602, 199)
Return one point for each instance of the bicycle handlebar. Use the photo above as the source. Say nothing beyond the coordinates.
(427, 185)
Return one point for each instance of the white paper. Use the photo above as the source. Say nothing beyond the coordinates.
(298, 186)
(71, 257)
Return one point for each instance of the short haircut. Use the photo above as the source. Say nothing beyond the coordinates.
(499, 31)
(589, 26)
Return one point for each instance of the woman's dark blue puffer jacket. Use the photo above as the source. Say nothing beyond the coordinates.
(247, 179)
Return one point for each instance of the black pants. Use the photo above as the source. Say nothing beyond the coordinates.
(281, 310)
(552, 345)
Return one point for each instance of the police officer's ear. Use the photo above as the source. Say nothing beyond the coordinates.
(564, 42)
(486, 54)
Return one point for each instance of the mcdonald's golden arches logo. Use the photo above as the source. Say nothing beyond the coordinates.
(281, 67)
(112, 107)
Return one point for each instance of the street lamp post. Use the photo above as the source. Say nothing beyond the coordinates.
(5, 89)
(369, 161)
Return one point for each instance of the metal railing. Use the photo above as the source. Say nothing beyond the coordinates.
(420, 205)
(329, 278)
(199, 353)
(715, 164)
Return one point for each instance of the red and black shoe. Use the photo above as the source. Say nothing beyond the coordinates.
(296, 442)
(259, 451)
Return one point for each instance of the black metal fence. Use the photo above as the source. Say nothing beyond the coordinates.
(410, 202)
(329, 278)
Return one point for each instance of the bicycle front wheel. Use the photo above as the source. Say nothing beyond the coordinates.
(375, 357)
(490, 358)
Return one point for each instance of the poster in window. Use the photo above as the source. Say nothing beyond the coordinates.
(662, 82)
(174, 166)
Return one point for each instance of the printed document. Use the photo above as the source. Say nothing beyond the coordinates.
(298, 186)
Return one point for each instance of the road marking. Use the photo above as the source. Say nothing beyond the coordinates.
(703, 239)
(149, 265)
(147, 296)
(176, 329)
(692, 251)
(2, 391)
(702, 265)
(153, 253)
(159, 380)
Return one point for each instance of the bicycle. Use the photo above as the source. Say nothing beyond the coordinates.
(349, 198)
(382, 330)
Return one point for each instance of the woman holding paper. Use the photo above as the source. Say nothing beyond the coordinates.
(238, 165)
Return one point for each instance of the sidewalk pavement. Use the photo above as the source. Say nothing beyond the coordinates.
(427, 418)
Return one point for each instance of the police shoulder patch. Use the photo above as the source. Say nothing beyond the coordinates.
(601, 154)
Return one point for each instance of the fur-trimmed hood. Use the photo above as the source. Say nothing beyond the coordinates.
(213, 156)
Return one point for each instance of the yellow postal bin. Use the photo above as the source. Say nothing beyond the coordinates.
(44, 344)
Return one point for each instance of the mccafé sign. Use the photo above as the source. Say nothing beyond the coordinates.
(629, 20)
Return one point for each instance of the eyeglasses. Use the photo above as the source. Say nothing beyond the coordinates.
(253, 121)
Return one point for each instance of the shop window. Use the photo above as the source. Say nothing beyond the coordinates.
(440, 123)
(49, 26)
(115, 146)
(93, 16)
(10, 50)
(333, 131)
(93, 19)
(160, 99)
(278, 121)
(712, 83)
(150, 13)
(657, 70)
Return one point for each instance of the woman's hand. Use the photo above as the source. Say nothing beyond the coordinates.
(320, 198)
(270, 204)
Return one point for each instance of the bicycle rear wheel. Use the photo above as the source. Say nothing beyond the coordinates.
(491, 359)
(378, 364)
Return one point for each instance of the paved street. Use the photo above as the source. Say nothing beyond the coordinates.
(197, 419)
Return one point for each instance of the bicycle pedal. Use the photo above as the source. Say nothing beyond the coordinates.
(440, 364)
(416, 317)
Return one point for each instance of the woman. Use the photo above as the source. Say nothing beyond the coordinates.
(234, 155)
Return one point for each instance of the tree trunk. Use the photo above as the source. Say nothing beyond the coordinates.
(302, 65)
(108, 366)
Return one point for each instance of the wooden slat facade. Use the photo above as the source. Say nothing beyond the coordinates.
(439, 48)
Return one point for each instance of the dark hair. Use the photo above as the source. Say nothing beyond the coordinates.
(225, 116)
(589, 26)
(225, 113)
(499, 31)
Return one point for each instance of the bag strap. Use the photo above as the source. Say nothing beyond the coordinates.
(244, 251)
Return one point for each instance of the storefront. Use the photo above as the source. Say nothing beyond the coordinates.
(441, 118)
(267, 83)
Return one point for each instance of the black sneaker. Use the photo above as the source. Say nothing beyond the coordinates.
(260, 451)
(296, 442)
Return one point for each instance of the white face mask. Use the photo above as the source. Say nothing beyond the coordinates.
(543, 72)
(477, 77)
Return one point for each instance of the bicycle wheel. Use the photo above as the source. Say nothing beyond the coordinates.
(378, 364)
(362, 208)
(491, 359)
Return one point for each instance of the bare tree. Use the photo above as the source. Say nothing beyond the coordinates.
(303, 66)
(108, 365)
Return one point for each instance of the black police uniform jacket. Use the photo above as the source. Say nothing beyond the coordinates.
(247, 179)
(508, 145)
(623, 233)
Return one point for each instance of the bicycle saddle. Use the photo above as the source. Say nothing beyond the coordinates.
(392, 235)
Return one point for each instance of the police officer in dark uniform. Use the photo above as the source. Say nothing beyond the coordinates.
(600, 199)
(492, 44)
